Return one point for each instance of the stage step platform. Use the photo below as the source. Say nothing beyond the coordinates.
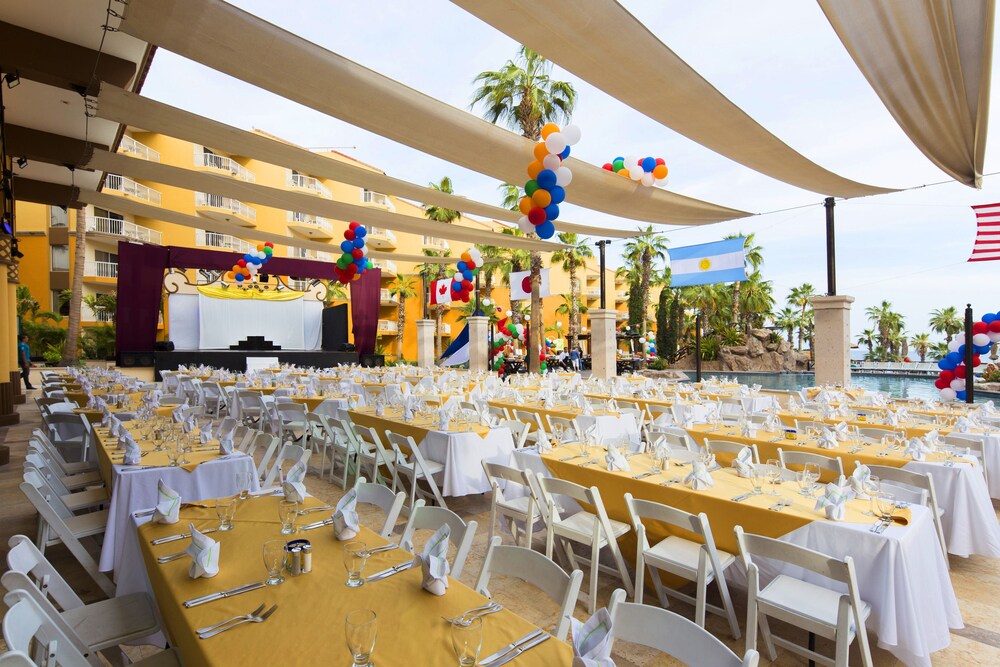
(236, 360)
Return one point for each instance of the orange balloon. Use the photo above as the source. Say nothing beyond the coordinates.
(466, 257)
(534, 168)
(260, 247)
(230, 276)
(355, 276)
(525, 205)
(542, 198)
(548, 129)
(623, 172)
(237, 268)
(660, 171)
(540, 151)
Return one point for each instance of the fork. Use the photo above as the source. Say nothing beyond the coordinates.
(230, 620)
(478, 612)
(253, 619)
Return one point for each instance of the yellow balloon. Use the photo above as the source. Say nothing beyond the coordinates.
(548, 129)
(260, 247)
(541, 198)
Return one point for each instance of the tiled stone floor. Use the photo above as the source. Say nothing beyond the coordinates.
(976, 580)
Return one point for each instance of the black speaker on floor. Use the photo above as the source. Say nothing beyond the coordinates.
(372, 360)
(136, 359)
(334, 327)
(164, 346)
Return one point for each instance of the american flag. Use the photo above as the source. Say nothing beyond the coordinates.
(987, 246)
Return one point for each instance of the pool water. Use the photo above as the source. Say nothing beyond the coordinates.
(894, 385)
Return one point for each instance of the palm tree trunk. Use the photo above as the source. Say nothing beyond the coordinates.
(574, 303)
(400, 325)
(536, 328)
(438, 335)
(737, 324)
(70, 355)
(802, 324)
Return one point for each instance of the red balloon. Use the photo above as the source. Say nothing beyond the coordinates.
(609, 166)
(269, 245)
(471, 265)
(975, 360)
(980, 327)
(948, 376)
(536, 216)
(465, 297)
(960, 371)
(994, 326)
(357, 253)
(354, 225)
(242, 262)
(467, 285)
(941, 383)
(349, 234)
(660, 160)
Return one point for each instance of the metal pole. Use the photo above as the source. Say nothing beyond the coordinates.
(970, 372)
(697, 347)
(477, 292)
(600, 246)
(831, 249)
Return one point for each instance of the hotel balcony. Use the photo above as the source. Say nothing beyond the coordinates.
(123, 229)
(622, 316)
(381, 239)
(388, 298)
(100, 272)
(621, 296)
(445, 329)
(225, 209)
(312, 226)
(299, 285)
(387, 265)
(225, 164)
(138, 149)
(592, 292)
(377, 198)
(97, 316)
(312, 255)
(129, 188)
(205, 239)
(308, 183)
(387, 328)
(432, 243)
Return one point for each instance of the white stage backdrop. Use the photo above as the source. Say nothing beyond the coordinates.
(200, 322)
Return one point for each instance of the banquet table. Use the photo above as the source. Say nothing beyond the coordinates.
(901, 572)
(610, 425)
(461, 449)
(133, 488)
(308, 626)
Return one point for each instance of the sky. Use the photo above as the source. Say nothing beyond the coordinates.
(780, 61)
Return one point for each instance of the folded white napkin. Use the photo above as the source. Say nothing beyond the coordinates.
(828, 439)
(544, 445)
(379, 408)
(963, 425)
(827, 411)
(168, 504)
(205, 435)
(132, 453)
(833, 502)
(114, 425)
(744, 462)
(917, 449)
(988, 408)
(592, 641)
(204, 552)
(748, 430)
(294, 484)
(932, 438)
(444, 419)
(892, 419)
(616, 460)
(345, 517)
(226, 445)
(771, 423)
(434, 562)
(859, 480)
(178, 414)
(699, 477)
(842, 431)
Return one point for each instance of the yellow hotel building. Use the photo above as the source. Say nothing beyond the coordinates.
(47, 237)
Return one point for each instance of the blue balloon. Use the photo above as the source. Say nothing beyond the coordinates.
(462, 266)
(467, 274)
(947, 364)
(359, 243)
(960, 395)
(648, 164)
(619, 158)
(982, 349)
(346, 246)
(546, 179)
(989, 317)
(546, 230)
(360, 232)
(239, 277)
(558, 194)
(961, 351)
(361, 262)
(564, 154)
(954, 357)
(248, 257)
(551, 212)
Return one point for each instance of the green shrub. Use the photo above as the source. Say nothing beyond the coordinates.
(42, 336)
(710, 348)
(658, 364)
(98, 342)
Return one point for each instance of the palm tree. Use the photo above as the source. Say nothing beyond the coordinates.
(867, 338)
(889, 325)
(946, 321)
(800, 296)
(573, 257)
(510, 196)
(335, 291)
(438, 213)
(26, 304)
(753, 255)
(787, 320)
(522, 96)
(70, 353)
(643, 252)
(96, 303)
(756, 301)
(922, 344)
(402, 289)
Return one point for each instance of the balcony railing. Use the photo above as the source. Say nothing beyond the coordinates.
(233, 205)
(370, 197)
(226, 164)
(101, 269)
(127, 186)
(138, 149)
(102, 315)
(436, 243)
(387, 326)
(378, 233)
(303, 253)
(123, 228)
(389, 296)
(312, 220)
(592, 292)
(387, 265)
(308, 183)
(205, 239)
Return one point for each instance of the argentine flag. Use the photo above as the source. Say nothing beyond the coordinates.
(707, 263)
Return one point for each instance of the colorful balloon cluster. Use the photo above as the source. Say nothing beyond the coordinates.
(647, 170)
(547, 187)
(461, 280)
(951, 379)
(246, 269)
(507, 331)
(354, 262)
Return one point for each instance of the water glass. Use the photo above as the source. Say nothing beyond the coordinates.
(756, 478)
(274, 561)
(287, 513)
(805, 483)
(244, 481)
(361, 626)
(886, 505)
(467, 638)
(225, 509)
(661, 459)
(774, 475)
(355, 556)
(812, 470)
(558, 432)
(173, 454)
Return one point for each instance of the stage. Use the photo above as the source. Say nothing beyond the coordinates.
(236, 360)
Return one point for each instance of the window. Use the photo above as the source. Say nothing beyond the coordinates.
(58, 216)
(60, 258)
(102, 256)
(59, 304)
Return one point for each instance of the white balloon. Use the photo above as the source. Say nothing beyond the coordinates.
(953, 345)
(262, 255)
(960, 338)
(525, 225)
(994, 336)
(635, 174)
(572, 134)
(563, 176)
(509, 313)
(551, 161)
(647, 179)
(948, 394)
(555, 143)
(364, 251)
(980, 339)
(957, 384)
(632, 163)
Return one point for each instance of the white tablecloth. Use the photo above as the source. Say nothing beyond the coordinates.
(462, 455)
(991, 452)
(753, 404)
(135, 490)
(610, 427)
(697, 411)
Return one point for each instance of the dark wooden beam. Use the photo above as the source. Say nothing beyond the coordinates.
(43, 192)
(47, 147)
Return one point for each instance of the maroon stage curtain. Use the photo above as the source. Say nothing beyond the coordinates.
(365, 301)
(140, 287)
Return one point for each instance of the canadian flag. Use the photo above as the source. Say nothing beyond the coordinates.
(520, 285)
(440, 292)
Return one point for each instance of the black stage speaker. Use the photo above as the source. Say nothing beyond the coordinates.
(334, 327)
(164, 346)
(134, 359)
(372, 360)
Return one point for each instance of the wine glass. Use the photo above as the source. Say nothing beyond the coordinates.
(661, 459)
(274, 561)
(361, 626)
(812, 470)
(774, 475)
(558, 433)
(244, 480)
(173, 454)
(467, 639)
(756, 479)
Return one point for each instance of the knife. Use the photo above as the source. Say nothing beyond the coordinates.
(521, 649)
(246, 588)
(534, 634)
(318, 524)
(179, 536)
(396, 569)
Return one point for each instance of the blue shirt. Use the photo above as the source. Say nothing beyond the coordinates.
(23, 351)
(574, 354)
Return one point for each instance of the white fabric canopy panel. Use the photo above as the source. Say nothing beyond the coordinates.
(293, 325)
(246, 47)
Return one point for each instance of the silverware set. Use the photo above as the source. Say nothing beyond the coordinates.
(588, 463)
(324, 508)
(230, 623)
(881, 525)
(570, 458)
(780, 505)
(515, 649)
(396, 569)
(743, 496)
(172, 557)
(232, 592)
(179, 536)
(472, 614)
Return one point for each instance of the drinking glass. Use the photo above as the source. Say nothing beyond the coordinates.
(274, 561)
(173, 454)
(287, 512)
(886, 505)
(756, 478)
(244, 480)
(355, 556)
(805, 483)
(467, 638)
(661, 459)
(812, 470)
(558, 432)
(225, 509)
(361, 626)
(774, 475)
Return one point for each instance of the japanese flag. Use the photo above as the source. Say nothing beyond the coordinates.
(441, 291)
(520, 285)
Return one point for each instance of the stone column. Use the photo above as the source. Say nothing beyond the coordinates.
(425, 343)
(479, 341)
(603, 346)
(831, 350)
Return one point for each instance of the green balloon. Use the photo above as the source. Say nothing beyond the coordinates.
(618, 165)
(344, 260)
(268, 250)
(530, 187)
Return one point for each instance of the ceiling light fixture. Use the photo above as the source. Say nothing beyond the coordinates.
(22, 162)
(13, 79)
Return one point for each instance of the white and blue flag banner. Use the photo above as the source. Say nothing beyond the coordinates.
(707, 263)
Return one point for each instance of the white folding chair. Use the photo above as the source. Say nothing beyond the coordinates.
(374, 457)
(822, 611)
(595, 530)
(731, 410)
(515, 509)
(528, 417)
(672, 634)
(659, 415)
(215, 399)
(672, 440)
(288, 453)
(382, 497)
(801, 425)
(423, 517)
(533, 568)
(291, 421)
(415, 468)
(974, 446)
(734, 448)
(921, 482)
(69, 433)
(71, 483)
(252, 410)
(833, 464)
(698, 561)
(876, 433)
(87, 499)
(269, 443)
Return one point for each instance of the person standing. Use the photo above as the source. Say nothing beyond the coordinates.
(574, 357)
(24, 360)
